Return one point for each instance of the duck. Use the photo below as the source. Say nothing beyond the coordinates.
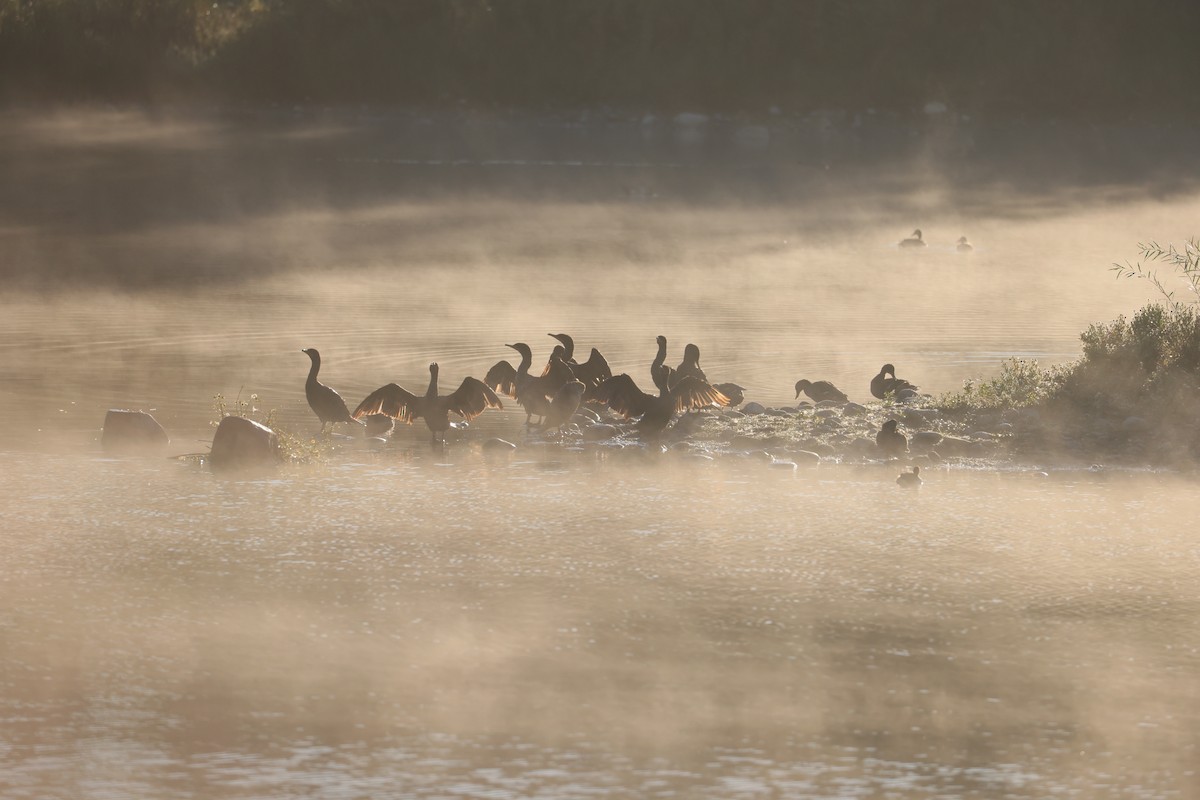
(963, 245)
(891, 442)
(910, 480)
(622, 395)
(913, 241)
(532, 392)
(469, 400)
(886, 382)
(325, 402)
(564, 404)
(590, 373)
(820, 391)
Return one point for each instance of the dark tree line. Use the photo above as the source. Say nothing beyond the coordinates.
(1093, 58)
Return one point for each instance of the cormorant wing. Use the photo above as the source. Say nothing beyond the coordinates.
(503, 378)
(735, 393)
(392, 400)
(689, 392)
(594, 371)
(623, 396)
(471, 399)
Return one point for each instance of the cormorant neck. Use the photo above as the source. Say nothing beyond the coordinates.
(526, 357)
(662, 353)
(433, 378)
(568, 345)
(315, 357)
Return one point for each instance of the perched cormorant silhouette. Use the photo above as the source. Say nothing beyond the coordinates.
(891, 442)
(469, 400)
(913, 241)
(689, 367)
(821, 391)
(660, 373)
(910, 480)
(592, 372)
(326, 403)
(532, 392)
(963, 245)
(886, 381)
(623, 396)
(564, 404)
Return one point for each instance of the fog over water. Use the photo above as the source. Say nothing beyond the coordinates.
(405, 623)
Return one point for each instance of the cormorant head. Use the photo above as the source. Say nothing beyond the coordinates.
(691, 353)
(801, 385)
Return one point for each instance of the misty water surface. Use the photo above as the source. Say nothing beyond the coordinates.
(400, 623)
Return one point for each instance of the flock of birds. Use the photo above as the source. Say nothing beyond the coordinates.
(555, 394)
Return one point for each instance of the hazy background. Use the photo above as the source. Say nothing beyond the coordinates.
(190, 193)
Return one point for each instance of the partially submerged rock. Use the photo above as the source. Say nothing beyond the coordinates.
(241, 443)
(133, 432)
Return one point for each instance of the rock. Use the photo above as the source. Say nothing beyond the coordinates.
(826, 413)
(732, 414)
(918, 418)
(924, 440)
(599, 432)
(585, 416)
(776, 412)
(854, 410)
(862, 447)
(681, 447)
(498, 446)
(241, 443)
(785, 466)
(1005, 427)
(829, 404)
(132, 432)
(985, 435)
(752, 409)
(760, 455)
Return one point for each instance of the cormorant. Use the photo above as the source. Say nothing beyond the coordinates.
(469, 400)
(564, 405)
(592, 372)
(326, 403)
(913, 241)
(623, 396)
(532, 392)
(963, 245)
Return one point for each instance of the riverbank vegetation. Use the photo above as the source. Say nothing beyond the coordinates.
(1074, 58)
(1134, 393)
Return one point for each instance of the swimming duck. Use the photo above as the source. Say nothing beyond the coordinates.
(963, 245)
(590, 373)
(469, 400)
(623, 396)
(910, 480)
(891, 442)
(821, 391)
(886, 381)
(325, 402)
(913, 241)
